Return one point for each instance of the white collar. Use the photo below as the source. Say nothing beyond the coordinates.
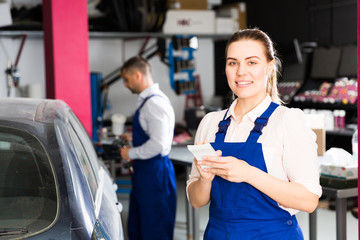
(253, 114)
(149, 91)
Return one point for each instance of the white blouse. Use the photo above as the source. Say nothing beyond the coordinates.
(289, 145)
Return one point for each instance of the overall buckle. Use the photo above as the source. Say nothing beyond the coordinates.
(222, 128)
(260, 123)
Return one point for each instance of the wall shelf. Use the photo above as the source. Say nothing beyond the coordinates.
(347, 107)
(150, 34)
(104, 35)
(17, 33)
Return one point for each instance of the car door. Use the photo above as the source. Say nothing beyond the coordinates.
(107, 208)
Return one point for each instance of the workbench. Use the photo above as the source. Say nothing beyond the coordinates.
(341, 196)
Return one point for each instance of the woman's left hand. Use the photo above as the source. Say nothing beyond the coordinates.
(229, 168)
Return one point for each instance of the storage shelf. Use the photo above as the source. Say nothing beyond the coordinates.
(104, 35)
(349, 107)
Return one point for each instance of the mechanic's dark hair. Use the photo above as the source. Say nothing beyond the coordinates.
(139, 63)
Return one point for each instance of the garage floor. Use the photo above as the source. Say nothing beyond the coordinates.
(325, 217)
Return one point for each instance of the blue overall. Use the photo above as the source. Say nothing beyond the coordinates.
(153, 197)
(238, 210)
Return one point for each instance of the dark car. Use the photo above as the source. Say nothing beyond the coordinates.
(52, 184)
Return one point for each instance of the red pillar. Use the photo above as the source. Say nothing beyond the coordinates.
(65, 25)
(358, 104)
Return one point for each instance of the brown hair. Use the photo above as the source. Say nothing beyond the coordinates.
(138, 63)
(270, 53)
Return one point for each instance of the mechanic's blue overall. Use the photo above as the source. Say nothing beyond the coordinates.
(153, 196)
(238, 210)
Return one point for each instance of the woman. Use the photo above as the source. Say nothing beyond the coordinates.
(266, 169)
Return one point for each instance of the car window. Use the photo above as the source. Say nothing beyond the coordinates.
(28, 194)
(86, 141)
(85, 162)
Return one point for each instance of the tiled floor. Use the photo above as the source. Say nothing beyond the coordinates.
(326, 226)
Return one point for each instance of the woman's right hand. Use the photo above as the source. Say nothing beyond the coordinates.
(205, 176)
(199, 190)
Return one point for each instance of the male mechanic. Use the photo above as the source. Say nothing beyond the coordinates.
(153, 197)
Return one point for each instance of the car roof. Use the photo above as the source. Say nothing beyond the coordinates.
(31, 109)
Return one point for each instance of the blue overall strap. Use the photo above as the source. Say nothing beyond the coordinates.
(223, 126)
(147, 98)
(261, 122)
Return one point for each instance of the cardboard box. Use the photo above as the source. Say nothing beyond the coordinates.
(236, 11)
(5, 14)
(339, 172)
(225, 25)
(320, 140)
(189, 22)
(317, 123)
(188, 4)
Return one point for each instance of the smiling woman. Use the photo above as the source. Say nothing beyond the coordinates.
(266, 169)
(251, 62)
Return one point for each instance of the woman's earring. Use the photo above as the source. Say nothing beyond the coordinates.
(233, 96)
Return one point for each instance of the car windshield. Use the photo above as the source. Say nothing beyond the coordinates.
(28, 199)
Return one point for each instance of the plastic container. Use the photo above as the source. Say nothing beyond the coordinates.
(342, 121)
(118, 122)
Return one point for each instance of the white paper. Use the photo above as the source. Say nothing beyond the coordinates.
(200, 151)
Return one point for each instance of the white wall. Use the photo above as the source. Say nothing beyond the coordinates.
(105, 56)
(31, 62)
